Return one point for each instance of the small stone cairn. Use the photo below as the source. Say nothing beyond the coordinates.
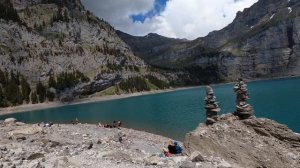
(243, 110)
(211, 106)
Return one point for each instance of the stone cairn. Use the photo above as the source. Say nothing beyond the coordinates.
(243, 110)
(211, 106)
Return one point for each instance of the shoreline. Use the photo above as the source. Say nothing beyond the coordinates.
(49, 105)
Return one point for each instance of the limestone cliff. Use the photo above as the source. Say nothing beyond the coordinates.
(48, 37)
(261, 42)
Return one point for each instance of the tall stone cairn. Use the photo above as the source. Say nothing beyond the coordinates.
(243, 110)
(211, 106)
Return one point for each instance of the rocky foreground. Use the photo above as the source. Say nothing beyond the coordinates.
(83, 145)
(228, 143)
(251, 143)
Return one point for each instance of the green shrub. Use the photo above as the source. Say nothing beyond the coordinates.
(134, 84)
(157, 82)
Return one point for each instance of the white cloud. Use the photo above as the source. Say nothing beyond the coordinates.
(181, 18)
(118, 12)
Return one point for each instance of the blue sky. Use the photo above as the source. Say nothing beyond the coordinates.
(159, 6)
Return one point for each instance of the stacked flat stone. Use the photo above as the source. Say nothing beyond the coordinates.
(243, 109)
(211, 106)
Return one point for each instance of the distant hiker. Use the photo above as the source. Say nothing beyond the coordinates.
(74, 122)
(108, 126)
(119, 124)
(114, 124)
(48, 124)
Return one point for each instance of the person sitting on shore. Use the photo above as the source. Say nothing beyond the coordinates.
(172, 147)
(178, 149)
(48, 124)
(114, 124)
(74, 122)
(119, 124)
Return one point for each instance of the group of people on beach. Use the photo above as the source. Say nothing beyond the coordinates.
(173, 149)
(115, 124)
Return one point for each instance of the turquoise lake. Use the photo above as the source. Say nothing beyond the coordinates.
(173, 114)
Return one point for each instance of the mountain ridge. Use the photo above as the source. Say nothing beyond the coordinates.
(261, 42)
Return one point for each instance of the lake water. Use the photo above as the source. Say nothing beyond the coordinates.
(173, 114)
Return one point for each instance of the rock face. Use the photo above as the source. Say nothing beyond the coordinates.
(150, 47)
(261, 42)
(247, 143)
(46, 38)
(47, 44)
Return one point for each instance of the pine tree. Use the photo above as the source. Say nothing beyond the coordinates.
(52, 82)
(8, 12)
(25, 89)
(50, 95)
(41, 91)
(12, 91)
(2, 98)
(34, 99)
(2, 78)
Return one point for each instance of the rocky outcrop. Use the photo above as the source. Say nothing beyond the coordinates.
(228, 143)
(247, 143)
(261, 42)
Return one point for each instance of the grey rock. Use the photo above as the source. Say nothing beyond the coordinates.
(152, 160)
(21, 138)
(187, 164)
(20, 123)
(54, 144)
(10, 120)
(87, 145)
(35, 156)
(99, 141)
(120, 156)
(18, 162)
(36, 165)
(198, 158)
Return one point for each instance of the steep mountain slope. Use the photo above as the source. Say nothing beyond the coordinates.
(149, 46)
(40, 39)
(261, 42)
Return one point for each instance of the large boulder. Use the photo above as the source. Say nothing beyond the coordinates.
(10, 120)
(246, 143)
